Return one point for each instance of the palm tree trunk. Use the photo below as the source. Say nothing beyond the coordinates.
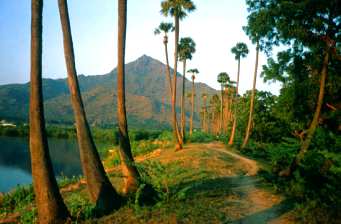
(183, 117)
(221, 110)
(176, 132)
(51, 208)
(100, 189)
(165, 42)
(192, 111)
(310, 133)
(129, 170)
(233, 131)
(227, 111)
(248, 129)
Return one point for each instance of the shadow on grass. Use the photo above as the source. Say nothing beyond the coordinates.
(218, 184)
(266, 215)
(217, 187)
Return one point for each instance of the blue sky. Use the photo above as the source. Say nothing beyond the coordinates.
(216, 26)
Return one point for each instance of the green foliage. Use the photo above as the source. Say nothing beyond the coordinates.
(80, 208)
(17, 199)
(186, 48)
(137, 135)
(63, 181)
(166, 136)
(20, 130)
(315, 184)
(163, 178)
(28, 217)
(200, 137)
(143, 147)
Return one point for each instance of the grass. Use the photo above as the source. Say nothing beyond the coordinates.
(195, 185)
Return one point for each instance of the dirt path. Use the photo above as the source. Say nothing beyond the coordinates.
(251, 165)
(260, 205)
(250, 201)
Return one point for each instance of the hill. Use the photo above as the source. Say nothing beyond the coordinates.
(145, 87)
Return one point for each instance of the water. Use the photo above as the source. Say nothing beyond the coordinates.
(15, 165)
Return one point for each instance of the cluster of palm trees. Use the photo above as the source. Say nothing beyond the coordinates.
(50, 205)
(183, 50)
(227, 111)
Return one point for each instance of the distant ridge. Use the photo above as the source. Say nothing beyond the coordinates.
(145, 87)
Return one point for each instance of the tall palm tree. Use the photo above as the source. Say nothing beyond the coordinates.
(177, 9)
(166, 28)
(100, 189)
(229, 89)
(186, 49)
(240, 51)
(194, 72)
(130, 172)
(223, 78)
(248, 128)
(204, 122)
(51, 208)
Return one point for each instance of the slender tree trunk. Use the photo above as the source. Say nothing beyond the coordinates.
(51, 208)
(192, 111)
(314, 123)
(205, 116)
(183, 115)
(165, 42)
(100, 189)
(233, 131)
(221, 110)
(129, 170)
(177, 134)
(248, 129)
(227, 111)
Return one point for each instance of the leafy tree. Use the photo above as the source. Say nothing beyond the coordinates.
(166, 28)
(186, 49)
(177, 9)
(100, 189)
(313, 25)
(223, 79)
(240, 51)
(51, 208)
(194, 72)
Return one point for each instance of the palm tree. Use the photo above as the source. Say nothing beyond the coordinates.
(177, 9)
(240, 51)
(130, 172)
(100, 189)
(248, 128)
(51, 208)
(186, 49)
(204, 122)
(193, 71)
(223, 78)
(166, 28)
(229, 89)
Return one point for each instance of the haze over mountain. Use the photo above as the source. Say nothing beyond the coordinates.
(146, 89)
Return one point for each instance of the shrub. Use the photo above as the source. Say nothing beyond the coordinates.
(200, 137)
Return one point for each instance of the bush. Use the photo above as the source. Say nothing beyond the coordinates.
(80, 208)
(200, 137)
(17, 199)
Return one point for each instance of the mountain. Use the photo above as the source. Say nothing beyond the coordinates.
(146, 86)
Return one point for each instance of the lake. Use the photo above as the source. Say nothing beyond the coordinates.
(15, 165)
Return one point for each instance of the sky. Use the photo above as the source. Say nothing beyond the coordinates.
(215, 26)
